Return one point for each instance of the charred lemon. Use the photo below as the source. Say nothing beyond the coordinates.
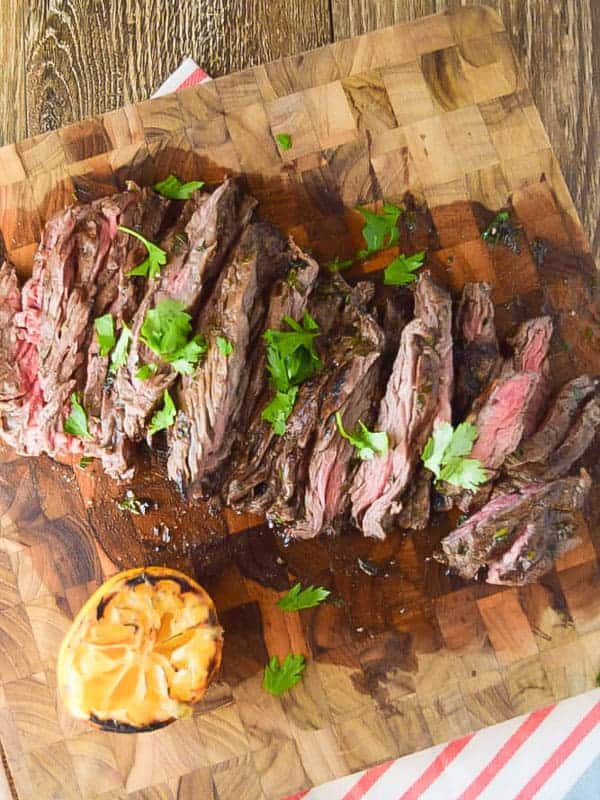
(142, 650)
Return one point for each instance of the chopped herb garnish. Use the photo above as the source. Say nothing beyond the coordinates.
(501, 534)
(401, 271)
(119, 355)
(278, 678)
(224, 345)
(132, 504)
(175, 189)
(368, 444)
(279, 409)
(105, 333)
(298, 598)
(146, 371)
(291, 360)
(284, 140)
(337, 265)
(165, 416)
(156, 259)
(502, 231)
(85, 461)
(76, 423)
(445, 452)
(380, 230)
(166, 330)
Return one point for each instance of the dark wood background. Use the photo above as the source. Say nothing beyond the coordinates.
(62, 60)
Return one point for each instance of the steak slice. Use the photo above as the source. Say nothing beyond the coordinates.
(118, 294)
(499, 533)
(416, 502)
(434, 306)
(246, 488)
(58, 304)
(348, 389)
(407, 412)
(476, 356)
(12, 362)
(565, 429)
(512, 407)
(195, 258)
(210, 402)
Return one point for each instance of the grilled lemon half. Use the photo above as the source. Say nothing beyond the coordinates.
(141, 651)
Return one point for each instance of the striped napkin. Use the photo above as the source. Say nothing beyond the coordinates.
(551, 754)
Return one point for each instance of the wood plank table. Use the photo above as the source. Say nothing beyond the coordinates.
(77, 58)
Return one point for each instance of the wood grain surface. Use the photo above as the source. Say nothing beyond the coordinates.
(441, 108)
(62, 61)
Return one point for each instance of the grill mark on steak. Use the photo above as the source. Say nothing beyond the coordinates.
(213, 227)
(488, 536)
(210, 402)
(246, 488)
(406, 413)
(476, 355)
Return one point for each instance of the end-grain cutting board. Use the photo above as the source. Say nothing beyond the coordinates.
(407, 656)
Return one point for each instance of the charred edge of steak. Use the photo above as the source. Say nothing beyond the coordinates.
(488, 536)
(476, 353)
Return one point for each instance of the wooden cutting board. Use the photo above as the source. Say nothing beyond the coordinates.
(405, 656)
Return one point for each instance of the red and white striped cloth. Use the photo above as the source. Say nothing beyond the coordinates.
(551, 754)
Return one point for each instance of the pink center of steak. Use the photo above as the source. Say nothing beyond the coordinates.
(500, 421)
(532, 357)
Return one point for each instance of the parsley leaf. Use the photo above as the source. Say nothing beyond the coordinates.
(156, 259)
(298, 598)
(291, 360)
(85, 461)
(279, 409)
(445, 452)
(401, 271)
(166, 331)
(105, 332)
(165, 416)
(175, 189)
(493, 232)
(146, 371)
(278, 678)
(186, 359)
(119, 355)
(337, 265)
(284, 140)
(380, 230)
(367, 443)
(76, 423)
(224, 345)
(465, 472)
